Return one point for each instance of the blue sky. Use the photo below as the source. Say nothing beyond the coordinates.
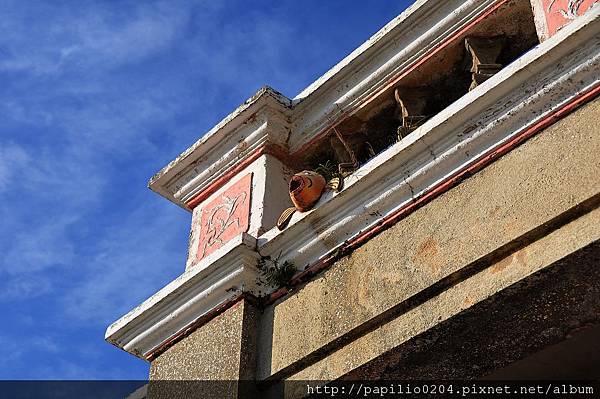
(97, 96)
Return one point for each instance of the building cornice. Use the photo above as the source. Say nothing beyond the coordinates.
(523, 94)
(497, 115)
(401, 46)
(218, 279)
(258, 125)
(272, 123)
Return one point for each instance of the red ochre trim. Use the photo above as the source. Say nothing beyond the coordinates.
(387, 222)
(199, 323)
(284, 156)
(442, 187)
(393, 81)
(271, 149)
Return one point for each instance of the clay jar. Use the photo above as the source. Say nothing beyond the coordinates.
(306, 188)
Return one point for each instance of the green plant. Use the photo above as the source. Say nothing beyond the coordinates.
(328, 170)
(276, 273)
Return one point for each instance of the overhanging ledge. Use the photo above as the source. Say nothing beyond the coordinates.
(284, 127)
(220, 278)
(259, 125)
(521, 99)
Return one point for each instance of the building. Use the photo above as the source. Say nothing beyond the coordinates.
(463, 244)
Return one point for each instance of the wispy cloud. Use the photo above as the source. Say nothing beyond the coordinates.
(12, 349)
(40, 246)
(23, 287)
(89, 35)
(129, 263)
(95, 97)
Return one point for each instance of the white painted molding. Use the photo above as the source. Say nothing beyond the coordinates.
(217, 279)
(395, 48)
(270, 117)
(263, 119)
(520, 95)
(525, 92)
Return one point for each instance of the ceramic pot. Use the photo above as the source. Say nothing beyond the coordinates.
(306, 188)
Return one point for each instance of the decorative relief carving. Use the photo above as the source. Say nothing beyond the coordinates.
(225, 217)
(559, 13)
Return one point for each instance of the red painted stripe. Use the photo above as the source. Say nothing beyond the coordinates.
(393, 81)
(442, 187)
(275, 150)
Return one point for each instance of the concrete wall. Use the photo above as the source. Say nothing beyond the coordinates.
(222, 350)
(501, 237)
(492, 230)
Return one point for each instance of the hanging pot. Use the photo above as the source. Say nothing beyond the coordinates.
(306, 188)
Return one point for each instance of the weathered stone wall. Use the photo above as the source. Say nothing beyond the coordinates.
(221, 350)
(513, 218)
(521, 226)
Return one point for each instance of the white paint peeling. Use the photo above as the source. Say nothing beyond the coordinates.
(520, 95)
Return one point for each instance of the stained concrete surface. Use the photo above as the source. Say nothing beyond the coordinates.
(546, 177)
(222, 351)
(540, 312)
(434, 280)
(415, 318)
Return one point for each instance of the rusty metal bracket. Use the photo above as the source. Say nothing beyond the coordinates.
(484, 53)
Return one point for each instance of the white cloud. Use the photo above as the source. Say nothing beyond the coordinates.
(13, 349)
(23, 287)
(41, 245)
(103, 39)
(88, 35)
(44, 357)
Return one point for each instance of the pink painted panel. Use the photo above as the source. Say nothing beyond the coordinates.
(225, 217)
(560, 13)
